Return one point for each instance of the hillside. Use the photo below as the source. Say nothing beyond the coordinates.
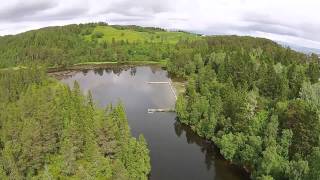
(256, 100)
(133, 34)
(67, 45)
(71, 44)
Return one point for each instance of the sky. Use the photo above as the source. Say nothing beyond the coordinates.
(291, 21)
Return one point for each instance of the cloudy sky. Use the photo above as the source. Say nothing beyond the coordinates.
(291, 21)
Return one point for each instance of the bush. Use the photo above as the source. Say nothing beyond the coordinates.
(97, 35)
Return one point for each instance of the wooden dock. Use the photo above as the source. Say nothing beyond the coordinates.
(160, 110)
(173, 92)
(160, 82)
(165, 82)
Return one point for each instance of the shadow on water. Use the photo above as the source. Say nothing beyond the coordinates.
(213, 159)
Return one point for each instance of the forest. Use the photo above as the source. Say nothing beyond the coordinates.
(49, 131)
(257, 101)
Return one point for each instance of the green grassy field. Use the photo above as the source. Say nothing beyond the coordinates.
(13, 68)
(131, 35)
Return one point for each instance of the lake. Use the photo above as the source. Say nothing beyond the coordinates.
(176, 152)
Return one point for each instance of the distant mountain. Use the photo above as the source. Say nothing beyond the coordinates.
(302, 49)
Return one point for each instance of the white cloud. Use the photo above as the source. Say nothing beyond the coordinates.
(293, 21)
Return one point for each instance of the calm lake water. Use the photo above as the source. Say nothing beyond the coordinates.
(176, 152)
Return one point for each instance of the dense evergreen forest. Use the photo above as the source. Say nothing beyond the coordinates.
(48, 131)
(256, 100)
(259, 103)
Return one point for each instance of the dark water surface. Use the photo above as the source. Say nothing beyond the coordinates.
(176, 152)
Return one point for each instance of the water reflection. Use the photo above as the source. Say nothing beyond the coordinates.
(205, 146)
(213, 159)
(176, 152)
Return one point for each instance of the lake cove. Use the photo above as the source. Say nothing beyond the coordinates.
(176, 152)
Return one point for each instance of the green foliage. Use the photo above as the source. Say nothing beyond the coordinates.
(304, 123)
(296, 76)
(253, 98)
(229, 145)
(313, 72)
(97, 35)
(311, 94)
(134, 34)
(274, 85)
(314, 164)
(49, 131)
(181, 109)
(297, 170)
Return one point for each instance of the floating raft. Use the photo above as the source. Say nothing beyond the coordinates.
(160, 110)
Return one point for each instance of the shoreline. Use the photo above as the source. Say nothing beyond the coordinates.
(179, 86)
(95, 65)
(63, 72)
(109, 64)
(59, 73)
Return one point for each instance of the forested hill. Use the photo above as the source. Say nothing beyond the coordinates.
(71, 44)
(259, 102)
(66, 45)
